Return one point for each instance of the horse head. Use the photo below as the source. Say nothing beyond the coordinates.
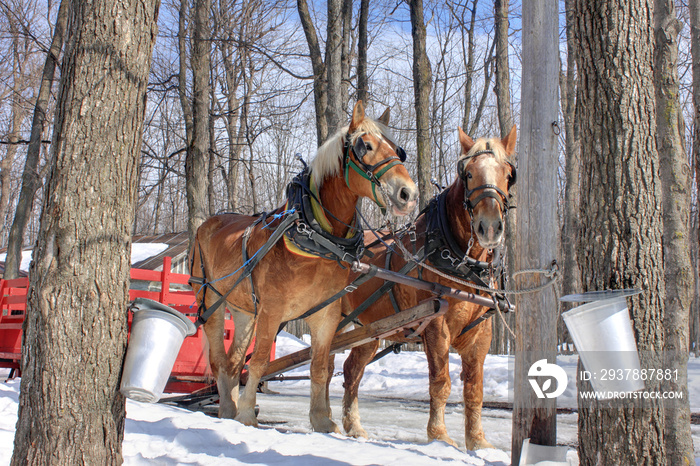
(373, 163)
(487, 174)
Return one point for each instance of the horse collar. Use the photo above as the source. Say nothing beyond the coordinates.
(307, 234)
(442, 247)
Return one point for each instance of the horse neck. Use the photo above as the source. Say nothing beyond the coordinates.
(459, 220)
(337, 199)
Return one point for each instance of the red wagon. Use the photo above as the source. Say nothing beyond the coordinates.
(190, 369)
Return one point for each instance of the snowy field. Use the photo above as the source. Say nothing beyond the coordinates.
(393, 408)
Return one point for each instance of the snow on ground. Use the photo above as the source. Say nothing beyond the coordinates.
(392, 406)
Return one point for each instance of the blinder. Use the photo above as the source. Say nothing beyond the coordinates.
(513, 176)
(364, 169)
(360, 150)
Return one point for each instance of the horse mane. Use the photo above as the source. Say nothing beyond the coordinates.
(494, 144)
(329, 156)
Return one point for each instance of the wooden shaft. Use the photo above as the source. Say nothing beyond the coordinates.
(435, 288)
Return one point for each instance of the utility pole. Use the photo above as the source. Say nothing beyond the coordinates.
(537, 230)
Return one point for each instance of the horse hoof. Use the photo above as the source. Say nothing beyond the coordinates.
(445, 438)
(356, 432)
(477, 444)
(325, 427)
(247, 418)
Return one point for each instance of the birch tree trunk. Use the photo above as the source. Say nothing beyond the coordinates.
(678, 272)
(620, 244)
(70, 408)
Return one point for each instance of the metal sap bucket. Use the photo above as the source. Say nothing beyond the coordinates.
(542, 455)
(603, 335)
(157, 332)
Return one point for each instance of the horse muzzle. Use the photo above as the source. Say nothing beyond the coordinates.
(403, 197)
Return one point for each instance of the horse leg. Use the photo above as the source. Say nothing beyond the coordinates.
(214, 329)
(473, 393)
(244, 324)
(264, 337)
(437, 351)
(353, 370)
(322, 325)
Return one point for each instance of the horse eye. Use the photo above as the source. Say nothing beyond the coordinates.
(368, 146)
(469, 175)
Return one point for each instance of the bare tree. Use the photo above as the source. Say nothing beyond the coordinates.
(319, 70)
(422, 83)
(571, 281)
(30, 176)
(675, 181)
(75, 328)
(16, 116)
(196, 162)
(362, 86)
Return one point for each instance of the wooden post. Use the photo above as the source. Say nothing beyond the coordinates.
(538, 225)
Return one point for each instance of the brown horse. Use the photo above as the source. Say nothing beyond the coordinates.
(289, 280)
(473, 206)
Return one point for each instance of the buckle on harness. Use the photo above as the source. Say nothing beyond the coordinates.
(350, 288)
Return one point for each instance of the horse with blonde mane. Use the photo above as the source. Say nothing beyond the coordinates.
(296, 254)
(455, 234)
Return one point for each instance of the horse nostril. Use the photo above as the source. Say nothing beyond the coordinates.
(500, 226)
(404, 195)
(481, 228)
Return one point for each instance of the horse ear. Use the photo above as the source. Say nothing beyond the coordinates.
(384, 119)
(509, 141)
(358, 114)
(465, 141)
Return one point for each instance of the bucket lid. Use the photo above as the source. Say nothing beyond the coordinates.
(142, 304)
(591, 296)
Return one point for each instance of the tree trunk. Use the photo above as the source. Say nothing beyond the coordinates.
(232, 76)
(538, 224)
(620, 245)
(422, 81)
(31, 180)
(695, 52)
(318, 67)
(345, 58)
(362, 86)
(70, 408)
(675, 181)
(571, 275)
(16, 117)
(505, 123)
(196, 165)
(502, 85)
(334, 72)
(468, 57)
